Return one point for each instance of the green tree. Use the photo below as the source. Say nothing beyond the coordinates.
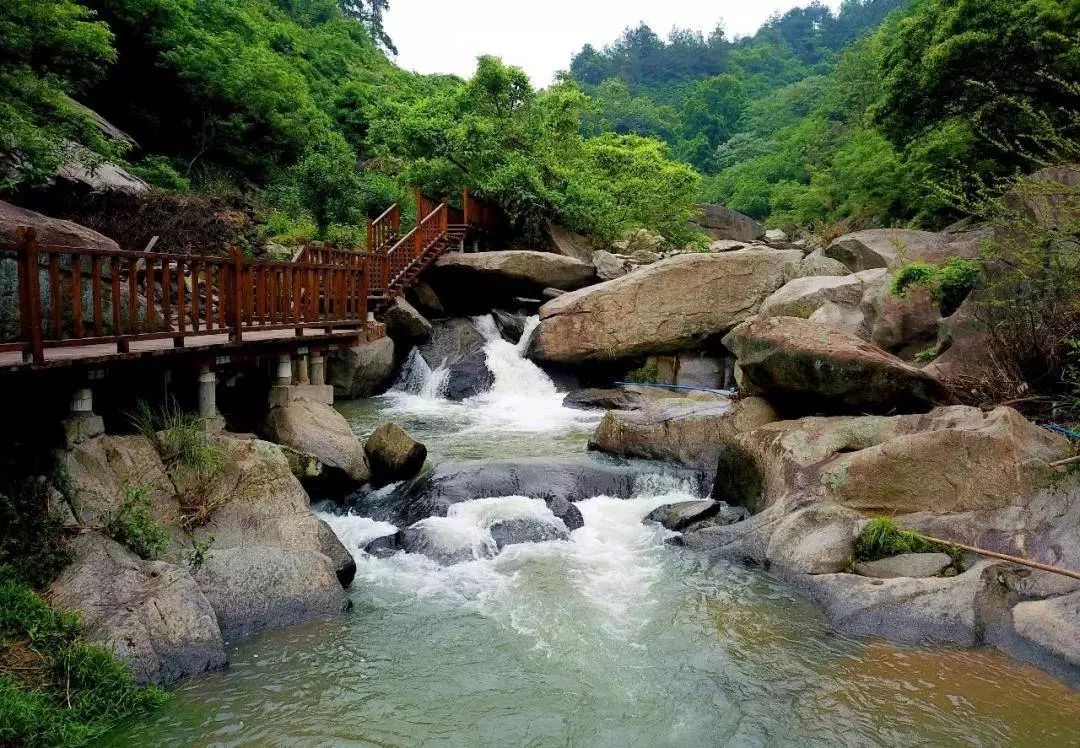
(993, 81)
(50, 49)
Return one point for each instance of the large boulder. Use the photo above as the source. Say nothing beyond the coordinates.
(672, 305)
(393, 454)
(891, 248)
(256, 588)
(893, 465)
(48, 230)
(1052, 624)
(569, 243)
(609, 266)
(803, 366)
(802, 297)
(816, 263)
(315, 428)
(866, 307)
(150, 614)
(404, 324)
(362, 371)
(689, 433)
(477, 282)
(724, 223)
(554, 480)
(270, 561)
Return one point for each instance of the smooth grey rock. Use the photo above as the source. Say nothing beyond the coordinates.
(608, 266)
(363, 371)
(551, 479)
(905, 565)
(723, 223)
(469, 377)
(551, 293)
(565, 510)
(680, 516)
(404, 323)
(317, 429)
(619, 398)
(569, 243)
(776, 235)
(384, 547)
(332, 547)
(677, 430)
(817, 540)
(425, 540)
(511, 326)
(1052, 624)
(525, 530)
(258, 588)
(150, 614)
(677, 304)
(476, 283)
(393, 455)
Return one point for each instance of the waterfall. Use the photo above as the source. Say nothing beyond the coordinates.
(522, 397)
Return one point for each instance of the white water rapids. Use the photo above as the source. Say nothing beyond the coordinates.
(609, 637)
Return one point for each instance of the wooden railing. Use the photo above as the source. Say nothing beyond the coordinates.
(384, 230)
(396, 261)
(79, 296)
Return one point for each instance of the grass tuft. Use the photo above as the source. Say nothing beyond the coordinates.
(882, 538)
(56, 690)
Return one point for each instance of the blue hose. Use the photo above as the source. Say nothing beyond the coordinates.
(724, 393)
(1062, 430)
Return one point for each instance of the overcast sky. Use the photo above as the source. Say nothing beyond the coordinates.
(541, 35)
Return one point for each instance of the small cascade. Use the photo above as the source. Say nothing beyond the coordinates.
(417, 378)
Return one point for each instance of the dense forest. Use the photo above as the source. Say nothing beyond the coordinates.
(887, 112)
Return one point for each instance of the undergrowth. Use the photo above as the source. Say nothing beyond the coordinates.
(882, 538)
(189, 454)
(135, 528)
(647, 374)
(56, 690)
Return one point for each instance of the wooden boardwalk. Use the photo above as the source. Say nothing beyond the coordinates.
(93, 306)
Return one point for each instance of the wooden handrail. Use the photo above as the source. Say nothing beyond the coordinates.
(79, 296)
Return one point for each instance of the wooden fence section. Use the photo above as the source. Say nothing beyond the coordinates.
(78, 296)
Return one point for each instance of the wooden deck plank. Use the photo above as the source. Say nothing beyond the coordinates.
(194, 346)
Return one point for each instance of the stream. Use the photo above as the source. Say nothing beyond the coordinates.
(609, 638)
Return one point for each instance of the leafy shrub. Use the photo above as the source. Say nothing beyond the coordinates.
(199, 553)
(159, 171)
(30, 540)
(882, 538)
(647, 374)
(949, 283)
(56, 690)
(133, 526)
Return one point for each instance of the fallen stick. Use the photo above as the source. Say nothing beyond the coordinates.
(1004, 557)
(1067, 461)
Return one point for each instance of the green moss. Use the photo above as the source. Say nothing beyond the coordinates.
(56, 690)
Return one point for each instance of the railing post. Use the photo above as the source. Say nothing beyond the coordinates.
(370, 235)
(30, 294)
(419, 207)
(235, 312)
(465, 205)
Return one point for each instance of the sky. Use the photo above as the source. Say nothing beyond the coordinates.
(541, 36)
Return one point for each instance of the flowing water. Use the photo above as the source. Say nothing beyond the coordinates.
(609, 638)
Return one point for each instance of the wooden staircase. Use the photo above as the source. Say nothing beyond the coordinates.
(394, 261)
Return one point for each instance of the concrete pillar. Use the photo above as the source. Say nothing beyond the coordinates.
(317, 369)
(82, 402)
(82, 424)
(284, 375)
(302, 370)
(207, 392)
(208, 412)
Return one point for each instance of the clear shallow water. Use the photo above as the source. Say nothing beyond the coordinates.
(610, 638)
